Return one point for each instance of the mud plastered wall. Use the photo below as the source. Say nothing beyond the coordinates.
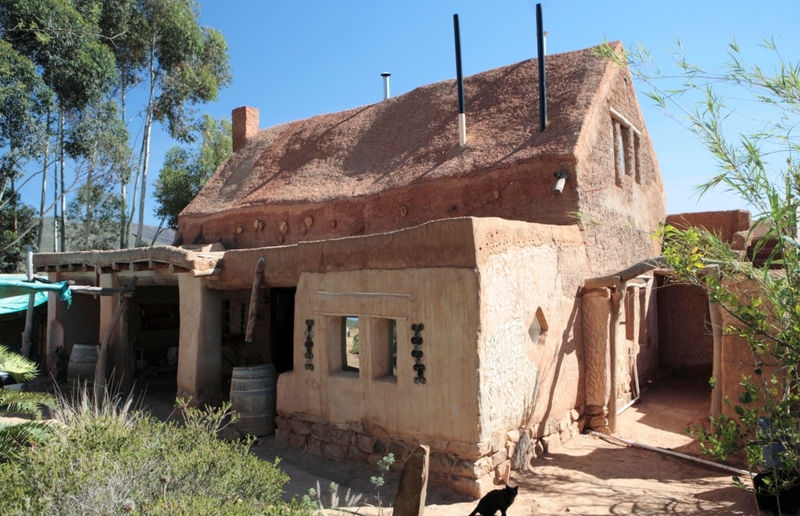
(530, 339)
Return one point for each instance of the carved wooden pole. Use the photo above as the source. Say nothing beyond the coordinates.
(251, 318)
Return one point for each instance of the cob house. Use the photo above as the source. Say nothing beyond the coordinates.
(410, 289)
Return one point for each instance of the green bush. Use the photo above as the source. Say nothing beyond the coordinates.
(112, 461)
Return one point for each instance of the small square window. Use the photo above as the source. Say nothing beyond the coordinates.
(383, 348)
(350, 344)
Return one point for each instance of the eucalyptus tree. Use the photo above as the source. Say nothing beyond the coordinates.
(185, 171)
(180, 63)
(98, 143)
(59, 41)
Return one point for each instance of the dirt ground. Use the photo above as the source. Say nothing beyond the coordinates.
(586, 475)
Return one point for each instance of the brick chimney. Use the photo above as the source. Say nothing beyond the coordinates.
(245, 125)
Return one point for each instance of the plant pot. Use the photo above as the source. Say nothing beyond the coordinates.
(788, 499)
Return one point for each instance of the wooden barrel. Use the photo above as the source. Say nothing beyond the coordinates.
(82, 363)
(253, 397)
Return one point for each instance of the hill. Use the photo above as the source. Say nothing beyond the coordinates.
(148, 232)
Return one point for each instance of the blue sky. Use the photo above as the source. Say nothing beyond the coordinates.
(296, 59)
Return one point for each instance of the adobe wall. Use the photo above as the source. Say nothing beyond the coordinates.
(522, 192)
(620, 212)
(362, 415)
(686, 344)
(731, 225)
(737, 358)
(530, 317)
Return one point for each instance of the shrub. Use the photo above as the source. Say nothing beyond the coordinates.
(14, 436)
(110, 460)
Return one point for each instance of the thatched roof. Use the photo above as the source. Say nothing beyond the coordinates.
(411, 138)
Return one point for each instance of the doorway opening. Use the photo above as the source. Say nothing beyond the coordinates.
(282, 327)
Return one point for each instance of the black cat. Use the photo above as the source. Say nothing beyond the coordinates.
(497, 500)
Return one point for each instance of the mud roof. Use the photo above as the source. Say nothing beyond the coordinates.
(411, 138)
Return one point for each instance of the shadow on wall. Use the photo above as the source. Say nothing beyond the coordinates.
(568, 346)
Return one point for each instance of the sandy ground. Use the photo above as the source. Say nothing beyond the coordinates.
(586, 475)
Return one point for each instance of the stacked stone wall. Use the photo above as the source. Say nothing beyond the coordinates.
(473, 469)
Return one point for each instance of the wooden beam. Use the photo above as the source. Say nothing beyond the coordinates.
(207, 272)
(177, 269)
(625, 275)
(102, 291)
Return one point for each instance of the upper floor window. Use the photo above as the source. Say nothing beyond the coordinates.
(626, 141)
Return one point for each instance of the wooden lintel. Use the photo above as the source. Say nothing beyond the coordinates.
(177, 269)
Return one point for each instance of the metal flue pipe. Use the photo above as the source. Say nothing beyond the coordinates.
(542, 81)
(386, 76)
(462, 119)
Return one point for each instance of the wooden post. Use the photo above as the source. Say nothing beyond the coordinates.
(617, 299)
(251, 317)
(716, 368)
(26, 334)
(102, 354)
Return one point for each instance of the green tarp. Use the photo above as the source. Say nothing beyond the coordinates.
(15, 289)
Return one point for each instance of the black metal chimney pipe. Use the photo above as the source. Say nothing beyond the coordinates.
(459, 75)
(462, 132)
(542, 79)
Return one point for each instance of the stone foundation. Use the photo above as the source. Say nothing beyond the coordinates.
(472, 469)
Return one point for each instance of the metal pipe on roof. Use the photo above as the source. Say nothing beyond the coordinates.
(462, 119)
(542, 81)
(386, 76)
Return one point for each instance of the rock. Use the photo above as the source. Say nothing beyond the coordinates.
(472, 487)
(499, 457)
(523, 453)
(540, 448)
(413, 487)
(299, 427)
(470, 469)
(441, 462)
(364, 443)
(283, 435)
(400, 452)
(334, 452)
(513, 436)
